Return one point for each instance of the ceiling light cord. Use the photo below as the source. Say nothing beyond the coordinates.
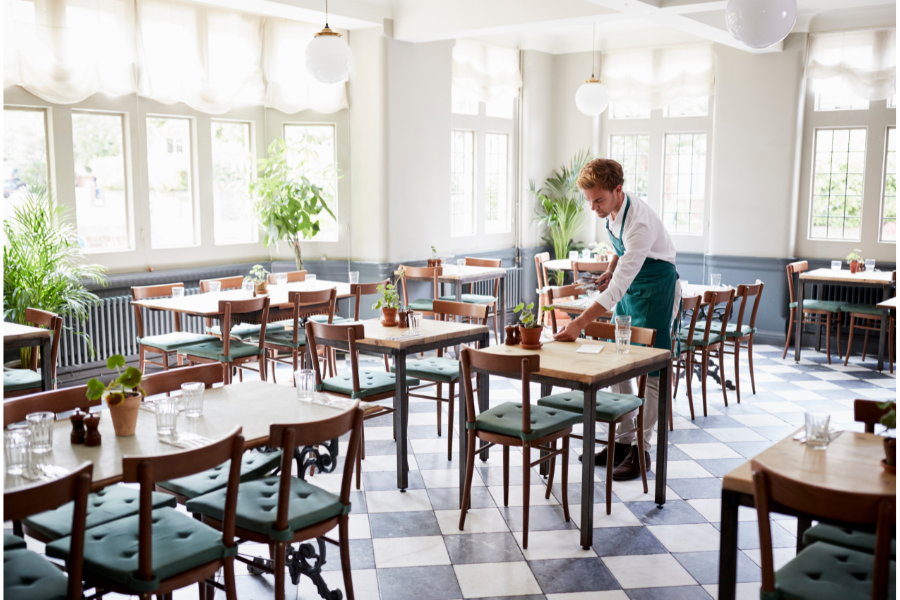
(326, 14)
(593, 36)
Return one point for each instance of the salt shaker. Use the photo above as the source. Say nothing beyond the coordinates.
(77, 435)
(92, 433)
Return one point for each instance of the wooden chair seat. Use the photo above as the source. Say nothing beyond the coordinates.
(254, 465)
(824, 571)
(815, 312)
(19, 382)
(13, 542)
(422, 304)
(610, 406)
(818, 306)
(246, 331)
(284, 340)
(869, 310)
(16, 380)
(172, 342)
(731, 331)
(437, 369)
(371, 383)
(216, 350)
(506, 419)
(846, 538)
(29, 576)
(471, 299)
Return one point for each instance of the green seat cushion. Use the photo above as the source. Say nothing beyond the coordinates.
(109, 504)
(847, 538)
(170, 342)
(28, 576)
(425, 304)
(714, 338)
(443, 370)
(370, 384)
(824, 571)
(12, 542)
(324, 319)
(20, 379)
(866, 309)
(825, 305)
(253, 466)
(506, 419)
(245, 331)
(216, 350)
(730, 331)
(472, 299)
(257, 506)
(610, 406)
(286, 338)
(180, 543)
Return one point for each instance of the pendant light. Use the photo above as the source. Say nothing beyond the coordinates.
(760, 23)
(327, 55)
(591, 97)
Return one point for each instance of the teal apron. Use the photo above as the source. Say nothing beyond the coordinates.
(651, 298)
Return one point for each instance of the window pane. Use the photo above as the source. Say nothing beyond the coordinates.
(889, 200)
(461, 104)
(633, 153)
(840, 100)
(685, 173)
(688, 107)
(839, 169)
(314, 156)
(24, 152)
(462, 183)
(628, 109)
(232, 165)
(496, 156)
(499, 108)
(169, 178)
(101, 203)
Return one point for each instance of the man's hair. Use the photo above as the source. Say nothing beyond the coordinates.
(602, 172)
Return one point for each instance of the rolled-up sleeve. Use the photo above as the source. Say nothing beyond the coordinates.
(638, 241)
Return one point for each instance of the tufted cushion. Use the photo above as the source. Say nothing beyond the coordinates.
(245, 331)
(846, 538)
(109, 504)
(257, 506)
(714, 338)
(324, 319)
(215, 350)
(286, 339)
(425, 304)
(730, 331)
(506, 419)
(825, 305)
(253, 465)
(472, 299)
(20, 379)
(28, 576)
(610, 406)
(444, 370)
(12, 542)
(827, 572)
(180, 543)
(865, 309)
(370, 384)
(170, 342)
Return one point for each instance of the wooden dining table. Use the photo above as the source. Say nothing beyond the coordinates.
(17, 336)
(565, 264)
(851, 463)
(886, 307)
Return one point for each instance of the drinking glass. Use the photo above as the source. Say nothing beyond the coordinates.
(573, 255)
(586, 254)
(40, 424)
(870, 264)
(310, 280)
(305, 379)
(280, 278)
(215, 286)
(817, 436)
(715, 279)
(17, 444)
(247, 287)
(177, 293)
(415, 323)
(354, 276)
(461, 265)
(192, 398)
(684, 284)
(835, 265)
(166, 409)
(623, 334)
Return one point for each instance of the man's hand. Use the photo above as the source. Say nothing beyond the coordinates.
(570, 333)
(603, 281)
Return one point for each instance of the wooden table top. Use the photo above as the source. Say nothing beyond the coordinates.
(451, 273)
(14, 332)
(851, 463)
(889, 303)
(253, 405)
(431, 331)
(561, 360)
(845, 276)
(564, 264)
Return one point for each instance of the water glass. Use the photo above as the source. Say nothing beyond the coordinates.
(623, 334)
(354, 276)
(166, 409)
(215, 286)
(177, 293)
(870, 264)
(415, 323)
(17, 444)
(684, 284)
(586, 254)
(715, 279)
(817, 436)
(305, 380)
(310, 280)
(281, 278)
(192, 398)
(40, 424)
(461, 265)
(835, 265)
(573, 255)
(247, 288)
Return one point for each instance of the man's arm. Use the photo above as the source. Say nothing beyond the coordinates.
(574, 328)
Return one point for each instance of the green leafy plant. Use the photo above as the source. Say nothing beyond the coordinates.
(599, 247)
(287, 203)
(561, 206)
(43, 263)
(258, 274)
(527, 318)
(856, 255)
(129, 381)
(389, 297)
(889, 419)
(434, 254)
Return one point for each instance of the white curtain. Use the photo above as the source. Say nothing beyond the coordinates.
(657, 77)
(485, 73)
(862, 62)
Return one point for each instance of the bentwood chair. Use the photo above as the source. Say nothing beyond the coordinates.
(579, 267)
(612, 408)
(358, 290)
(281, 510)
(166, 344)
(518, 424)
(292, 341)
(542, 283)
(685, 357)
(230, 352)
(868, 318)
(489, 301)
(567, 291)
(27, 575)
(815, 312)
(161, 550)
(422, 305)
(239, 331)
(292, 277)
(18, 382)
(822, 569)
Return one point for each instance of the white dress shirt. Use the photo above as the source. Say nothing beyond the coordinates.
(644, 236)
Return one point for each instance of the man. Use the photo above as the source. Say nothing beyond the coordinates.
(641, 282)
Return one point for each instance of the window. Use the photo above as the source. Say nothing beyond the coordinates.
(628, 109)
(688, 107)
(24, 151)
(633, 153)
(461, 104)
(312, 147)
(840, 100)
(892, 101)
(169, 171)
(462, 183)
(497, 182)
(232, 164)
(889, 200)
(839, 171)
(685, 179)
(502, 109)
(101, 200)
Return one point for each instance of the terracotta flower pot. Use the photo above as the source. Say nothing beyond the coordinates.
(854, 266)
(124, 416)
(262, 287)
(390, 315)
(890, 451)
(530, 336)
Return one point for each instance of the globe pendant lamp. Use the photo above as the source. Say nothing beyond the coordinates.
(327, 55)
(760, 23)
(591, 97)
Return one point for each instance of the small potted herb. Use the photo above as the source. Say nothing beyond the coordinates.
(259, 277)
(123, 395)
(388, 303)
(530, 327)
(855, 259)
(889, 420)
(434, 261)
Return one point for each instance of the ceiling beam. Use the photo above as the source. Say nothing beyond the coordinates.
(342, 14)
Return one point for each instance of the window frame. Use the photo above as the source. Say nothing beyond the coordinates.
(475, 173)
(253, 175)
(706, 186)
(609, 152)
(507, 226)
(48, 142)
(336, 201)
(812, 183)
(816, 108)
(884, 174)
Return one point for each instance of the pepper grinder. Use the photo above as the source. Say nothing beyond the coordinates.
(92, 435)
(403, 318)
(511, 335)
(77, 435)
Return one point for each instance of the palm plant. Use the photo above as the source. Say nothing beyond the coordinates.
(43, 263)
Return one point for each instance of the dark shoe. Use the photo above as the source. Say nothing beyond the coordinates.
(619, 455)
(631, 466)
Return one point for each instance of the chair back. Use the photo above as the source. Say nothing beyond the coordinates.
(541, 270)
(229, 309)
(714, 299)
(868, 412)
(350, 332)
(795, 267)
(292, 277)
(430, 272)
(444, 309)
(148, 470)
(745, 292)
(589, 267)
(566, 291)
(640, 336)
(688, 303)
(43, 496)
(311, 303)
(56, 401)
(143, 292)
(228, 283)
(53, 322)
(494, 263)
(500, 363)
(358, 290)
(770, 487)
(208, 374)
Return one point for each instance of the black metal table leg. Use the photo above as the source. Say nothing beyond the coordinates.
(587, 466)
(798, 326)
(501, 310)
(46, 373)
(728, 540)
(303, 560)
(662, 431)
(401, 418)
(882, 336)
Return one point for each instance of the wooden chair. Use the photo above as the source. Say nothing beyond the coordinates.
(688, 304)
(542, 283)
(27, 574)
(367, 289)
(292, 277)
(567, 291)
(165, 344)
(173, 550)
(19, 382)
(63, 400)
(870, 317)
(489, 301)
(588, 267)
(422, 305)
(239, 331)
(612, 408)
(815, 312)
(823, 569)
(514, 424)
(292, 341)
(230, 352)
(282, 510)
(868, 412)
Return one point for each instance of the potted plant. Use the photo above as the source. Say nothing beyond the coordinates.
(123, 395)
(388, 303)
(434, 261)
(855, 259)
(530, 327)
(259, 277)
(889, 420)
(561, 206)
(600, 249)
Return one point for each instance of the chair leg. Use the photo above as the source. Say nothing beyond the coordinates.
(721, 352)
(787, 342)
(280, 559)
(688, 377)
(750, 360)
(704, 367)
(640, 441)
(230, 588)
(828, 339)
(610, 451)
(450, 422)
(387, 364)
(677, 376)
(891, 345)
(440, 391)
(344, 532)
(467, 488)
(838, 320)
(671, 415)
(526, 491)
(737, 369)
(565, 477)
(551, 473)
(360, 455)
(263, 367)
(850, 339)
(505, 475)
(866, 339)
(141, 358)
(496, 335)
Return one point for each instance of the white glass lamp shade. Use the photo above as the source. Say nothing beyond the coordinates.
(592, 97)
(760, 23)
(328, 57)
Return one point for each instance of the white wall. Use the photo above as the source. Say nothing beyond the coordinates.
(538, 137)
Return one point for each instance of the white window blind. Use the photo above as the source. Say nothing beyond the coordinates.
(861, 63)
(484, 72)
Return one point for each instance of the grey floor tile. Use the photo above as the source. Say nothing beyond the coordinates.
(674, 512)
(749, 449)
(692, 489)
(381, 481)
(380, 447)
(574, 493)
(540, 518)
(748, 536)
(448, 498)
(361, 556)
(690, 592)
(573, 575)
(483, 548)
(626, 541)
(403, 524)
(258, 586)
(704, 567)
(418, 583)
(437, 460)
(713, 421)
(691, 436)
(358, 501)
(720, 466)
(776, 434)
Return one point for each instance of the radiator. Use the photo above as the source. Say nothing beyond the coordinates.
(513, 287)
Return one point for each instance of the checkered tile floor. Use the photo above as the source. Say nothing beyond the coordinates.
(406, 546)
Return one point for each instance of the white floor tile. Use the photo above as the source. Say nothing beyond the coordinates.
(832, 376)
(386, 462)
(397, 501)
(496, 579)
(759, 421)
(379, 433)
(765, 377)
(365, 584)
(701, 537)
(735, 434)
(743, 591)
(478, 520)
(447, 478)
(876, 393)
(703, 451)
(685, 469)
(780, 556)
(817, 385)
(795, 396)
(358, 527)
(633, 491)
(331, 482)
(619, 516)
(654, 570)
(515, 495)
(546, 545)
(424, 551)
(431, 446)
(711, 509)
(682, 423)
(850, 368)
(425, 418)
(779, 369)
(609, 595)
(885, 383)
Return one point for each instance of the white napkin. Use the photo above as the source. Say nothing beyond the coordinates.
(588, 349)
